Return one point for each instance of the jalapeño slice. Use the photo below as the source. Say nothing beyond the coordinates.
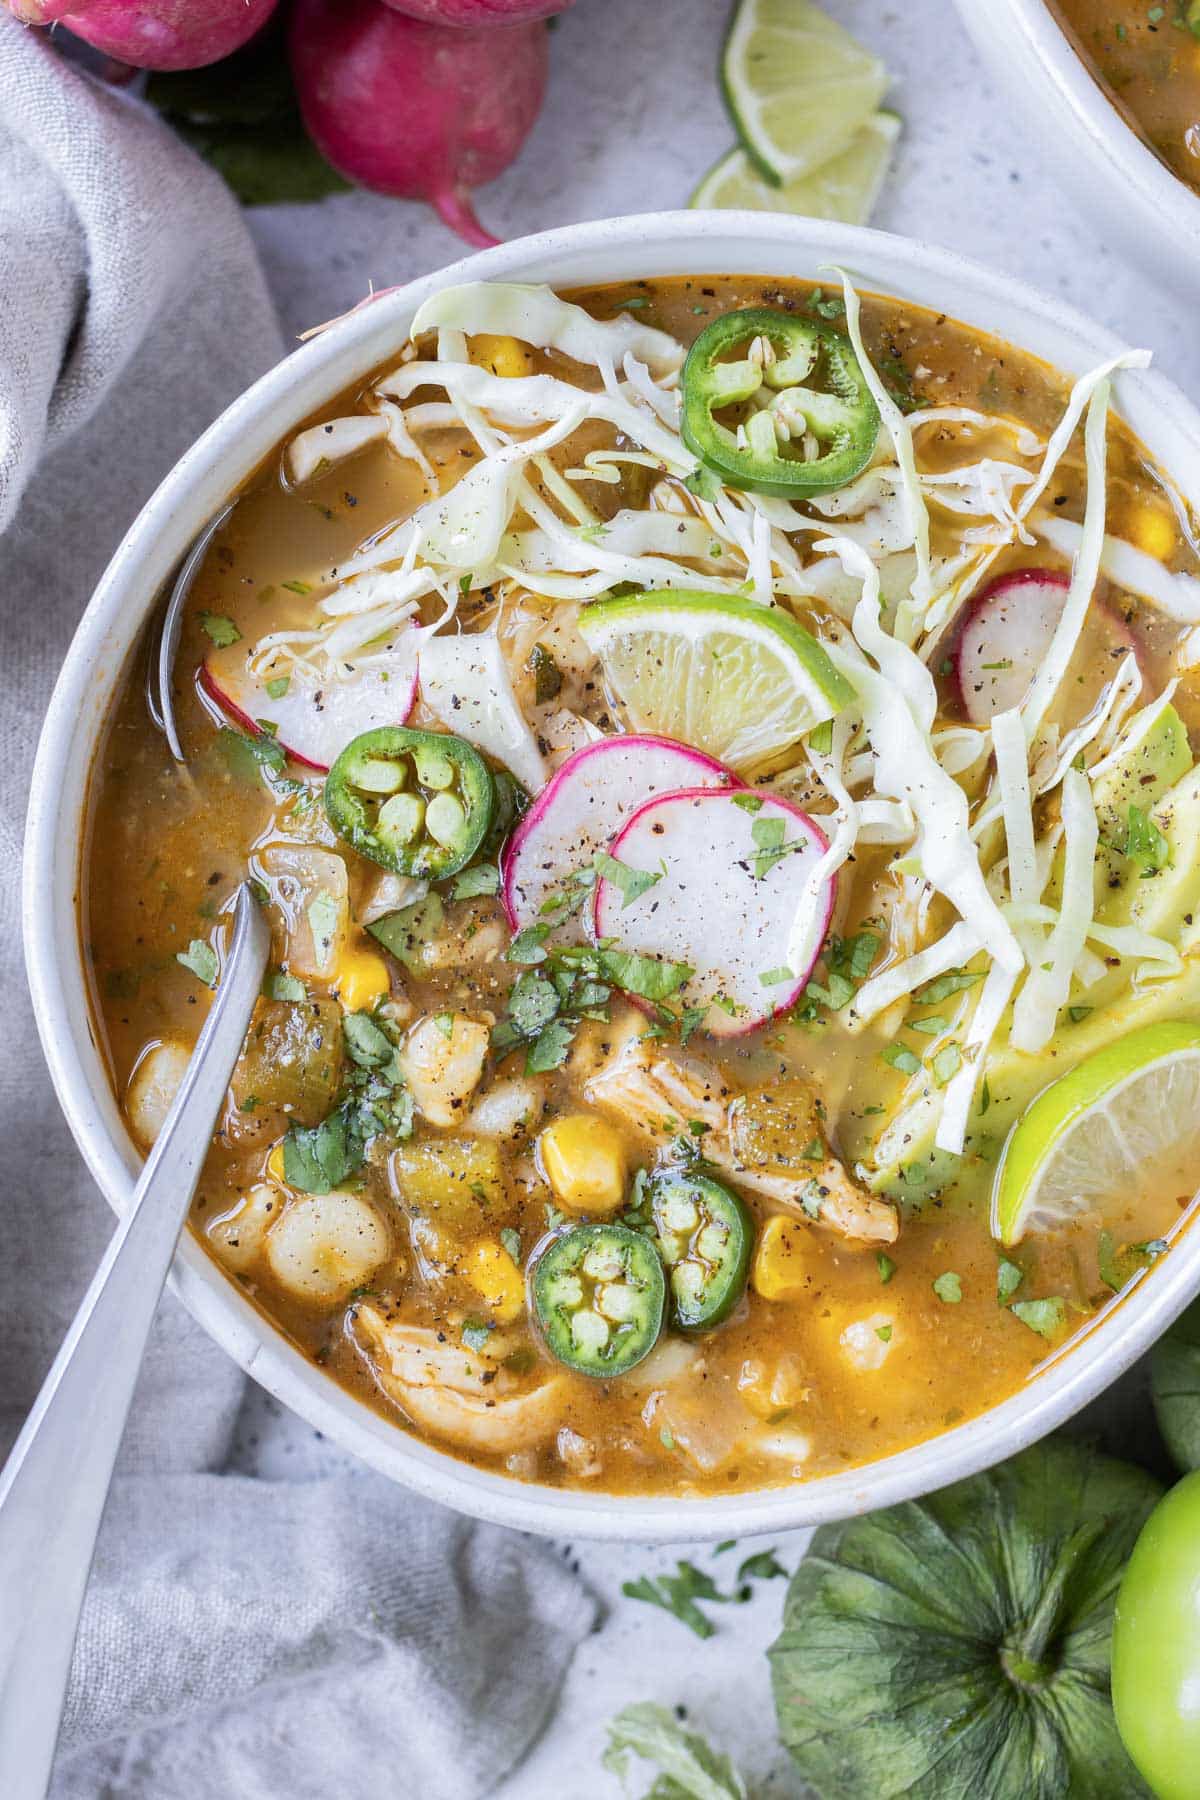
(706, 1235)
(797, 416)
(599, 1293)
(416, 802)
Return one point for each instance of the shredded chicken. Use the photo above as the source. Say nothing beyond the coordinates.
(457, 1393)
(660, 1095)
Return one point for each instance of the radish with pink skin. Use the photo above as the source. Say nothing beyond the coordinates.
(154, 34)
(584, 805)
(733, 898)
(313, 724)
(417, 110)
(1006, 632)
(478, 12)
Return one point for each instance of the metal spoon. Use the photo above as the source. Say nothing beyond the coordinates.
(54, 1485)
(162, 668)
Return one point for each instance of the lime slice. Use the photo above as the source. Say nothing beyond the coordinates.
(729, 676)
(799, 87)
(846, 188)
(1128, 1116)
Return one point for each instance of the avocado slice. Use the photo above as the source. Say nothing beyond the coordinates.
(902, 1161)
(1149, 762)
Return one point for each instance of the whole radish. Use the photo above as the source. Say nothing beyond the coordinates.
(478, 12)
(412, 109)
(154, 34)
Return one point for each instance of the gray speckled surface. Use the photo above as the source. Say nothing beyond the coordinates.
(632, 120)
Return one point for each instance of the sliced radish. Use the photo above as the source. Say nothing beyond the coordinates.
(314, 724)
(1007, 631)
(748, 922)
(584, 804)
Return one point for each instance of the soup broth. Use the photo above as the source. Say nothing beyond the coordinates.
(451, 1075)
(1148, 57)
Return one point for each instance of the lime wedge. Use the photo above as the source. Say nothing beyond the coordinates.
(799, 87)
(846, 188)
(1127, 1116)
(740, 680)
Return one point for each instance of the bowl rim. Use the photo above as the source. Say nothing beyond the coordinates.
(1053, 78)
(685, 242)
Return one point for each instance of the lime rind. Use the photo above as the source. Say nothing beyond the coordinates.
(739, 680)
(1095, 1126)
(844, 190)
(797, 84)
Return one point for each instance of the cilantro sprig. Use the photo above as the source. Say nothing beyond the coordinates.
(375, 1102)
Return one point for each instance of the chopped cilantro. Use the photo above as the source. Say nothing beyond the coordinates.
(1009, 1277)
(945, 1064)
(678, 1594)
(764, 1565)
(475, 1334)
(774, 977)
(885, 1265)
(631, 883)
(1047, 1317)
(221, 630)
(475, 883)
(948, 1288)
(319, 1158)
(278, 687)
(547, 676)
(703, 483)
(510, 1238)
(201, 959)
(280, 986)
(549, 1049)
(901, 1058)
(952, 982)
(527, 946)
(931, 1027)
(406, 932)
(1145, 844)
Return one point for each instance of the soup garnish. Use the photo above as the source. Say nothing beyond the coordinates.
(713, 753)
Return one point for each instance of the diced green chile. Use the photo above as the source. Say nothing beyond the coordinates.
(599, 1293)
(416, 802)
(706, 1236)
(772, 411)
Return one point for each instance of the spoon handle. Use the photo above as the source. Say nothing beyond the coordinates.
(54, 1485)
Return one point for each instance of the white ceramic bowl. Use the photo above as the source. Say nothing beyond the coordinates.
(1134, 199)
(615, 250)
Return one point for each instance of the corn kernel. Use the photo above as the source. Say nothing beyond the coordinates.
(275, 1164)
(495, 1277)
(781, 1259)
(362, 980)
(583, 1159)
(1152, 529)
(505, 356)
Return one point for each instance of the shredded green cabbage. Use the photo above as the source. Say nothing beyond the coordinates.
(1175, 594)
(951, 951)
(911, 614)
(1048, 984)
(465, 683)
(1084, 573)
(899, 704)
(536, 315)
